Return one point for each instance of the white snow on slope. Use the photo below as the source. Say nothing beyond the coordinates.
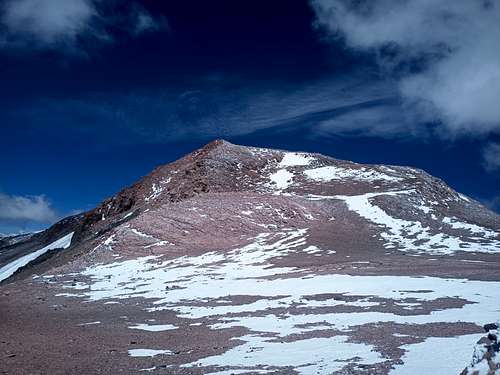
(307, 357)
(292, 159)
(423, 358)
(153, 327)
(464, 197)
(329, 173)
(156, 191)
(147, 352)
(108, 244)
(140, 234)
(202, 287)
(159, 243)
(281, 179)
(110, 240)
(476, 229)
(10, 268)
(90, 323)
(408, 235)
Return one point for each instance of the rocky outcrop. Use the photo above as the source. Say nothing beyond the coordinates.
(486, 357)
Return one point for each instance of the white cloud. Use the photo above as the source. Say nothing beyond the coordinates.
(23, 209)
(48, 21)
(144, 22)
(52, 24)
(445, 55)
(491, 156)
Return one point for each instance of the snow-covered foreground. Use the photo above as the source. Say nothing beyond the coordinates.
(10, 268)
(287, 312)
(422, 358)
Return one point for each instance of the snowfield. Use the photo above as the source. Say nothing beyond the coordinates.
(330, 173)
(292, 159)
(288, 312)
(10, 268)
(413, 236)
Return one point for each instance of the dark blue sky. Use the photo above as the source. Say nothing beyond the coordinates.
(84, 112)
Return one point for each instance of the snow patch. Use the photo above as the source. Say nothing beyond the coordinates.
(202, 287)
(330, 173)
(281, 179)
(475, 229)
(10, 268)
(147, 352)
(140, 234)
(408, 235)
(154, 327)
(308, 356)
(292, 159)
(436, 355)
(155, 192)
(159, 243)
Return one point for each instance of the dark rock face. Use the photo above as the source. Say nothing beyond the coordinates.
(486, 358)
(490, 327)
(249, 253)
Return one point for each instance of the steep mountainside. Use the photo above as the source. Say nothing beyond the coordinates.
(244, 260)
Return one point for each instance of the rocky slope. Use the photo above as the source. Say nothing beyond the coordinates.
(243, 260)
(486, 357)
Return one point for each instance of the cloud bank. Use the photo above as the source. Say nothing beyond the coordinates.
(19, 209)
(444, 55)
(70, 25)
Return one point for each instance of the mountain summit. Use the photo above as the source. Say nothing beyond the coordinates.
(238, 259)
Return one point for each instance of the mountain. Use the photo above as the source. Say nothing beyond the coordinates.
(237, 259)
